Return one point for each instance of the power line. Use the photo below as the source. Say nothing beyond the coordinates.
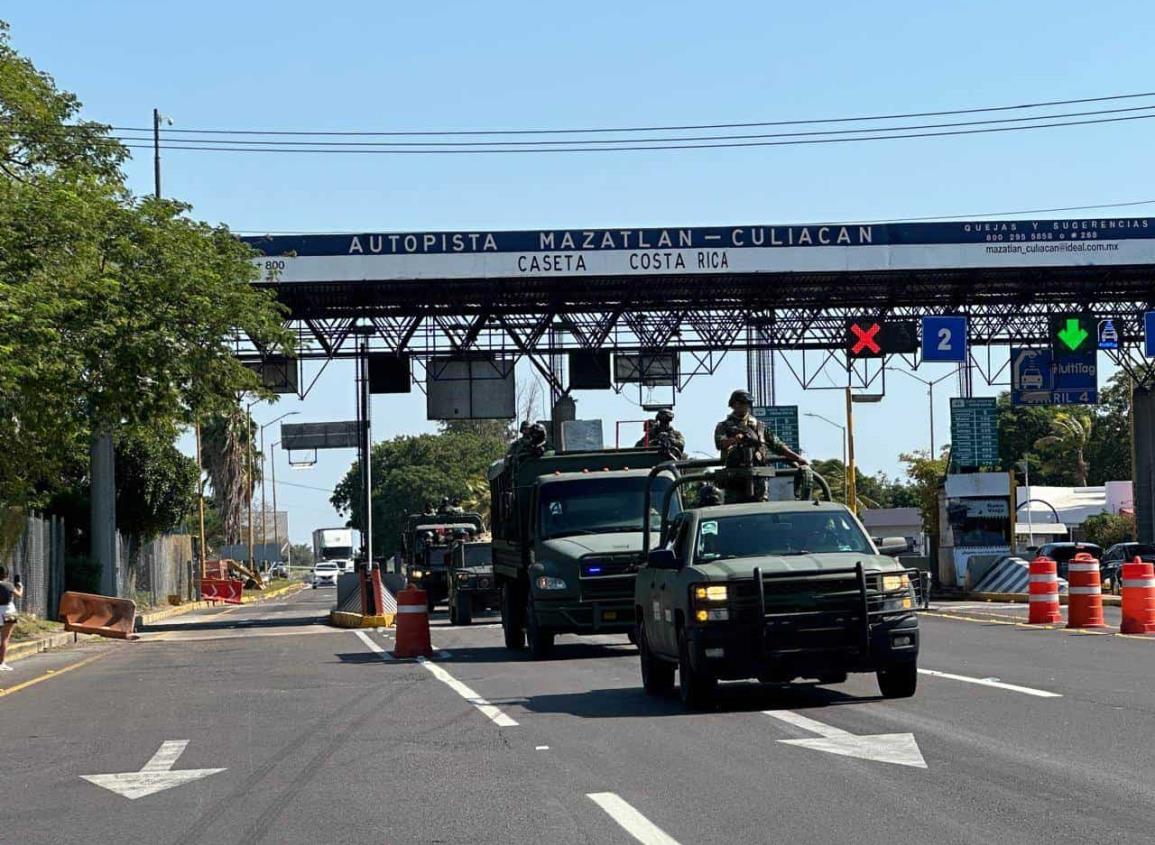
(648, 141)
(689, 145)
(665, 128)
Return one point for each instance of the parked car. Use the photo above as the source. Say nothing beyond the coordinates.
(1111, 565)
(278, 570)
(1061, 553)
(325, 574)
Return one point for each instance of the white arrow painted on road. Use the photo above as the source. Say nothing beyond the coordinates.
(157, 774)
(899, 749)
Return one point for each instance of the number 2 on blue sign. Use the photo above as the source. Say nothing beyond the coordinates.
(944, 339)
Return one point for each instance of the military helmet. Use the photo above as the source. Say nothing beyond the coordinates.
(741, 396)
(665, 415)
(537, 433)
(708, 495)
(525, 426)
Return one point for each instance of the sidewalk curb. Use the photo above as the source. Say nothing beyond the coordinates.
(29, 648)
(1021, 598)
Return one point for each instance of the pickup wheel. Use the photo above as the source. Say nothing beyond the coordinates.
(695, 687)
(539, 640)
(511, 622)
(657, 675)
(898, 680)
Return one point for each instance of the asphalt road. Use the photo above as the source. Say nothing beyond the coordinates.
(1025, 735)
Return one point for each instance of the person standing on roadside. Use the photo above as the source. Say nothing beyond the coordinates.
(10, 590)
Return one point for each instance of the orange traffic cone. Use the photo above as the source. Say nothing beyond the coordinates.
(1044, 592)
(1085, 593)
(412, 624)
(1138, 598)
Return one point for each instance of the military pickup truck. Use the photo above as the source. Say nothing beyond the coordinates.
(425, 543)
(472, 587)
(567, 541)
(773, 590)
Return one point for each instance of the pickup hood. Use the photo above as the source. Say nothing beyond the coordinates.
(724, 570)
(581, 545)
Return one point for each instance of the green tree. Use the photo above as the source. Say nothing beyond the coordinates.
(926, 476)
(409, 471)
(233, 465)
(1019, 428)
(1109, 450)
(301, 554)
(1107, 529)
(1066, 445)
(117, 314)
(156, 487)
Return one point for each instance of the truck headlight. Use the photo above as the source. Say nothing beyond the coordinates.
(890, 583)
(711, 592)
(714, 615)
(463, 577)
(417, 573)
(546, 582)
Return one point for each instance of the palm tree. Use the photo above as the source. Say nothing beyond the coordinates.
(1070, 434)
(224, 442)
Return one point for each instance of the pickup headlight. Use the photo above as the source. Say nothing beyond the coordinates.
(890, 583)
(707, 597)
(546, 582)
(463, 577)
(417, 573)
(711, 592)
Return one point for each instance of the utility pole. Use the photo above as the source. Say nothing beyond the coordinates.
(249, 481)
(273, 469)
(851, 482)
(201, 500)
(264, 505)
(156, 150)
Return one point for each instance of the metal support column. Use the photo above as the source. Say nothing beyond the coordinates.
(365, 449)
(103, 511)
(1143, 460)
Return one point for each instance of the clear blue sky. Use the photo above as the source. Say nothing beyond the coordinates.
(373, 65)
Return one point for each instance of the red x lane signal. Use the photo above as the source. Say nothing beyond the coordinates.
(864, 338)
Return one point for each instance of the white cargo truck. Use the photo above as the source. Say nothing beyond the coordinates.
(334, 544)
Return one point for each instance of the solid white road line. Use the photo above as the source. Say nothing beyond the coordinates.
(630, 820)
(991, 682)
(499, 718)
(371, 644)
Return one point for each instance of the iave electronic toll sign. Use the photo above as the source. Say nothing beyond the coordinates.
(1039, 378)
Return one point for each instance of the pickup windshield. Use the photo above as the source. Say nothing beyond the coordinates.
(789, 533)
(600, 506)
(479, 555)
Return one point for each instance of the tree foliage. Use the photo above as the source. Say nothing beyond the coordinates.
(1107, 529)
(410, 471)
(115, 312)
(926, 475)
(156, 487)
(233, 465)
(1066, 445)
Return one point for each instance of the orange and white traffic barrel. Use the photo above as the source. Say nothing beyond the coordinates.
(412, 624)
(1084, 593)
(1043, 592)
(1138, 598)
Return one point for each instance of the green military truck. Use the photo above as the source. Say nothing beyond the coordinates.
(567, 541)
(773, 590)
(472, 587)
(425, 544)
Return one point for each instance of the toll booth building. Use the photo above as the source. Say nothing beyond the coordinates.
(975, 521)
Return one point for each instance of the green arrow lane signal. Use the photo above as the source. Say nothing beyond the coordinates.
(1073, 334)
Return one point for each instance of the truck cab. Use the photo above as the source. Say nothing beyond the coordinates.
(472, 587)
(567, 542)
(776, 591)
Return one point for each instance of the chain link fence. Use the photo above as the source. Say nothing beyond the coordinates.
(148, 573)
(38, 556)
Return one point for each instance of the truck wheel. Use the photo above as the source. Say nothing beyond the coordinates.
(832, 678)
(511, 623)
(539, 640)
(898, 680)
(695, 687)
(462, 609)
(452, 612)
(657, 675)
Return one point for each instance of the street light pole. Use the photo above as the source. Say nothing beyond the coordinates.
(851, 484)
(264, 507)
(273, 468)
(841, 428)
(930, 383)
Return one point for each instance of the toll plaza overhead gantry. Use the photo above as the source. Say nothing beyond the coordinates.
(700, 292)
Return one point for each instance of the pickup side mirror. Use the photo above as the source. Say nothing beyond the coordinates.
(663, 559)
(892, 546)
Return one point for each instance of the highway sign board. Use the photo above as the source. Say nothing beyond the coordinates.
(974, 437)
(781, 420)
(867, 337)
(1149, 334)
(944, 339)
(1040, 378)
(1109, 333)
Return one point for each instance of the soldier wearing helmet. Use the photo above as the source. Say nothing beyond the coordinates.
(661, 434)
(743, 441)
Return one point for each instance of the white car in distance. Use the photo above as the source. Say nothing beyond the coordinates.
(325, 574)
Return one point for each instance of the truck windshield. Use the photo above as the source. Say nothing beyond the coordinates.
(336, 552)
(789, 533)
(600, 506)
(478, 555)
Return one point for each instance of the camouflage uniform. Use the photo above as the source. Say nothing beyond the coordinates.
(677, 441)
(763, 442)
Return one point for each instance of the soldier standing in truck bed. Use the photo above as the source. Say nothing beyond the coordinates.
(743, 441)
(661, 434)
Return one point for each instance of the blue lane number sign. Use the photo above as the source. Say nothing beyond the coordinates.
(1149, 334)
(944, 339)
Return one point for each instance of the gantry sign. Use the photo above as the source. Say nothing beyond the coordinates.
(702, 291)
